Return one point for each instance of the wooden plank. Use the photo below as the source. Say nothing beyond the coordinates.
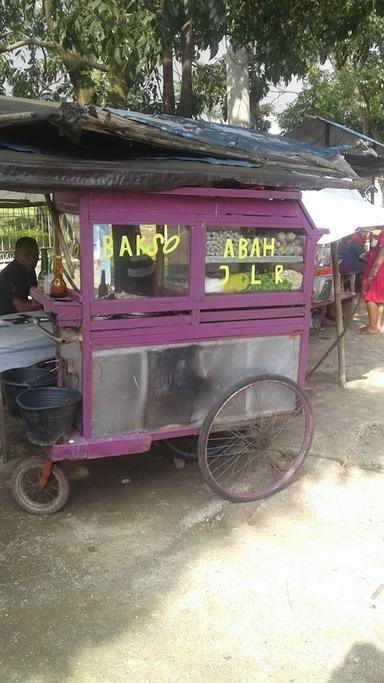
(3, 434)
(59, 235)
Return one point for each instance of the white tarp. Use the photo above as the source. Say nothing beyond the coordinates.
(17, 199)
(341, 212)
(22, 345)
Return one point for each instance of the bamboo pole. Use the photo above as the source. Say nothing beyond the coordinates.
(334, 343)
(59, 234)
(339, 316)
(70, 280)
(20, 116)
(3, 433)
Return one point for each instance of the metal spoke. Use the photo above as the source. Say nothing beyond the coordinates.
(244, 457)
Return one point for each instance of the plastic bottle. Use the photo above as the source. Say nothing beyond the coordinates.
(44, 269)
(58, 288)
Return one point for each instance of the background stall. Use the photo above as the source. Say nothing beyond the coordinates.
(340, 214)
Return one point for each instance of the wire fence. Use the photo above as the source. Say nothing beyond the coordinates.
(23, 222)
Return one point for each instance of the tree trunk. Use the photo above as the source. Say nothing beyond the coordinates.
(237, 87)
(368, 125)
(80, 77)
(168, 86)
(83, 86)
(117, 93)
(186, 74)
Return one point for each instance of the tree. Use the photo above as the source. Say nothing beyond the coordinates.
(76, 42)
(283, 40)
(105, 50)
(109, 51)
(337, 95)
(352, 94)
(209, 94)
(289, 38)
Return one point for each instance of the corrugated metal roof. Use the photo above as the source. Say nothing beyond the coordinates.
(355, 133)
(227, 137)
(363, 153)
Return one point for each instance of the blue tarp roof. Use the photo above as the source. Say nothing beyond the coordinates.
(91, 147)
(227, 137)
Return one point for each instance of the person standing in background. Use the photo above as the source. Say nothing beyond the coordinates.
(373, 287)
(352, 256)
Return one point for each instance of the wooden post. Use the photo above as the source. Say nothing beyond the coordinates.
(3, 434)
(373, 190)
(56, 241)
(58, 235)
(339, 315)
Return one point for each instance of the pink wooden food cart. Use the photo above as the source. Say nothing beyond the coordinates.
(190, 326)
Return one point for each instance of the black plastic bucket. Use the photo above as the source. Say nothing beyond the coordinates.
(16, 380)
(49, 413)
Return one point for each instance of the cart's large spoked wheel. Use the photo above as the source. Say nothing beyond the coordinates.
(40, 487)
(270, 423)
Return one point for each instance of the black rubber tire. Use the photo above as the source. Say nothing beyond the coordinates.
(205, 430)
(178, 451)
(21, 496)
(176, 447)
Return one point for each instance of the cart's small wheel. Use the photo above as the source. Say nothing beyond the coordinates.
(270, 423)
(31, 495)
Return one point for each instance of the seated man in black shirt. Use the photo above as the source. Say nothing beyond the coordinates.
(18, 277)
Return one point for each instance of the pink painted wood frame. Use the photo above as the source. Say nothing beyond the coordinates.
(199, 316)
(68, 313)
(199, 332)
(86, 287)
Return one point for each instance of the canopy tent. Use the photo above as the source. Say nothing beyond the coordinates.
(341, 212)
(15, 200)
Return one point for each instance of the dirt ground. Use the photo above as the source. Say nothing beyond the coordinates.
(147, 576)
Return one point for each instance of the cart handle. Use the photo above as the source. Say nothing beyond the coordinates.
(55, 338)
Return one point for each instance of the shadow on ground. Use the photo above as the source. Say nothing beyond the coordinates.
(146, 573)
(364, 663)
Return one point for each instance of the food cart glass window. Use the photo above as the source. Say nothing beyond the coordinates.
(70, 227)
(143, 260)
(242, 260)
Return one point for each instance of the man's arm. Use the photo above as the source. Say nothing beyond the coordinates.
(23, 305)
(13, 294)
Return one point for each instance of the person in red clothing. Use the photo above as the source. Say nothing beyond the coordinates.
(373, 287)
